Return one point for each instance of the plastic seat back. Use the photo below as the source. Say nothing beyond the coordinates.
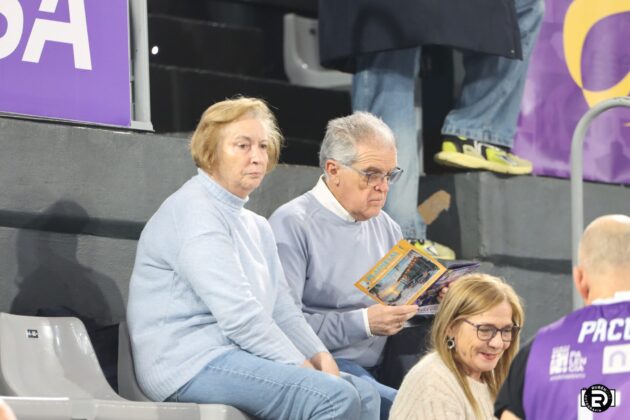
(301, 56)
(49, 357)
(127, 384)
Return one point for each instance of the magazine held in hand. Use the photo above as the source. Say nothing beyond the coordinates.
(406, 276)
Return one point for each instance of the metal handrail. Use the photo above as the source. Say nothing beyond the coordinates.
(577, 186)
(139, 48)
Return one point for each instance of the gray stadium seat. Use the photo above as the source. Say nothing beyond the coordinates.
(128, 386)
(301, 56)
(44, 358)
(26, 408)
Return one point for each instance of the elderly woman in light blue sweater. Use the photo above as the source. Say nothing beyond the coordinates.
(210, 316)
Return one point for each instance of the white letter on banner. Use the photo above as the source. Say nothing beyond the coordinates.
(12, 12)
(73, 32)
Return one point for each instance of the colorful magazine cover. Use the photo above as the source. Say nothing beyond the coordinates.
(407, 275)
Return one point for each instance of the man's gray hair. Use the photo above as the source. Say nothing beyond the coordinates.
(344, 134)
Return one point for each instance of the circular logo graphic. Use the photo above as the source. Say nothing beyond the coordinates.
(597, 398)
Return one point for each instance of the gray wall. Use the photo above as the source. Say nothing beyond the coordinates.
(74, 200)
(73, 203)
(520, 227)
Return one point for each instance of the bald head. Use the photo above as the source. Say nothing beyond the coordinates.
(605, 246)
(603, 259)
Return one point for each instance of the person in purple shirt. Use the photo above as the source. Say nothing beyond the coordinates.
(580, 364)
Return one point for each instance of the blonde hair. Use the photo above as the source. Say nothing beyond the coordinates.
(209, 132)
(471, 295)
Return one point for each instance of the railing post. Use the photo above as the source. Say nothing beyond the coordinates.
(577, 191)
(141, 97)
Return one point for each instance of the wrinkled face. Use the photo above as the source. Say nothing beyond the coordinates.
(479, 356)
(350, 186)
(241, 159)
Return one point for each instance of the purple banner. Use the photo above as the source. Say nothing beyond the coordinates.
(66, 59)
(582, 57)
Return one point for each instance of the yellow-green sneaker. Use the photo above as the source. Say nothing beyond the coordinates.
(434, 249)
(461, 152)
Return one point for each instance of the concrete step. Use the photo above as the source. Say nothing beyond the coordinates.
(179, 96)
(74, 200)
(521, 220)
(82, 180)
(202, 45)
(520, 228)
(263, 15)
(197, 8)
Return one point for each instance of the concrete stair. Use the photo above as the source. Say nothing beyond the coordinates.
(206, 51)
(180, 95)
(519, 227)
(74, 201)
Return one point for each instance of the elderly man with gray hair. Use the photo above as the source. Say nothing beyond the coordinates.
(333, 234)
(581, 363)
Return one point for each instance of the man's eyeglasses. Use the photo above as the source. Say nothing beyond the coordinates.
(486, 332)
(376, 178)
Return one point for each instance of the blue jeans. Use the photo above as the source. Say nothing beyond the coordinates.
(487, 108)
(272, 390)
(387, 394)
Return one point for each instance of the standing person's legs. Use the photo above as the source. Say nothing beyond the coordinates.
(384, 85)
(491, 95)
(387, 394)
(271, 390)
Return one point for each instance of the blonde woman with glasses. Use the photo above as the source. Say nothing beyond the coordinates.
(474, 338)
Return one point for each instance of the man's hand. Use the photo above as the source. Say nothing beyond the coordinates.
(325, 362)
(388, 320)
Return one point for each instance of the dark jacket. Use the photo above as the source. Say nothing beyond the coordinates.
(348, 28)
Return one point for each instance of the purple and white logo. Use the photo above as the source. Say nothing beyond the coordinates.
(66, 59)
(566, 363)
(581, 58)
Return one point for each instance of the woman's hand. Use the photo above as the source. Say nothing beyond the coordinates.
(324, 362)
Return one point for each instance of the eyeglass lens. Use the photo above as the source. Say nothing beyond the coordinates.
(376, 178)
(487, 332)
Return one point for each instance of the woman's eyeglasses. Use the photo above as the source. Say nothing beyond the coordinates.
(486, 332)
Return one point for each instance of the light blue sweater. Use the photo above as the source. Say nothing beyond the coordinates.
(207, 279)
(323, 255)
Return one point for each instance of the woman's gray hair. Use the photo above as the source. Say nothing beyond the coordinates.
(344, 134)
